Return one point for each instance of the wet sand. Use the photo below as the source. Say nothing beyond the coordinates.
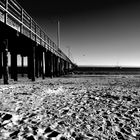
(71, 108)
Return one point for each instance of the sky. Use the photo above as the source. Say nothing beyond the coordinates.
(102, 33)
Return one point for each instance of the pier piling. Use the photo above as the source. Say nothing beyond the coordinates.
(5, 61)
(0, 63)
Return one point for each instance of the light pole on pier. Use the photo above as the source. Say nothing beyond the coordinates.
(58, 34)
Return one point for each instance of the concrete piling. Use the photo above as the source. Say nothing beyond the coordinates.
(5, 61)
(52, 64)
(36, 63)
(14, 65)
(40, 63)
(1, 64)
(22, 65)
(43, 66)
(46, 64)
(33, 63)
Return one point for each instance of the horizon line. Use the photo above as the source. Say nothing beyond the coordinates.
(127, 66)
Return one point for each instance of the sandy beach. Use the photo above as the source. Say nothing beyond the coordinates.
(71, 108)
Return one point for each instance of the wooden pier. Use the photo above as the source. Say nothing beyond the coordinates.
(21, 36)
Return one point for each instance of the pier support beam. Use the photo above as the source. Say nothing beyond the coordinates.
(61, 66)
(43, 65)
(1, 64)
(5, 61)
(52, 65)
(65, 71)
(31, 63)
(49, 64)
(39, 63)
(14, 66)
(58, 66)
(46, 64)
(36, 63)
(55, 65)
(66, 67)
(22, 66)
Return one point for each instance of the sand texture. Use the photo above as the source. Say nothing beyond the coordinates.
(78, 108)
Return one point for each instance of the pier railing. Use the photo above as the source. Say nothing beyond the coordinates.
(12, 14)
